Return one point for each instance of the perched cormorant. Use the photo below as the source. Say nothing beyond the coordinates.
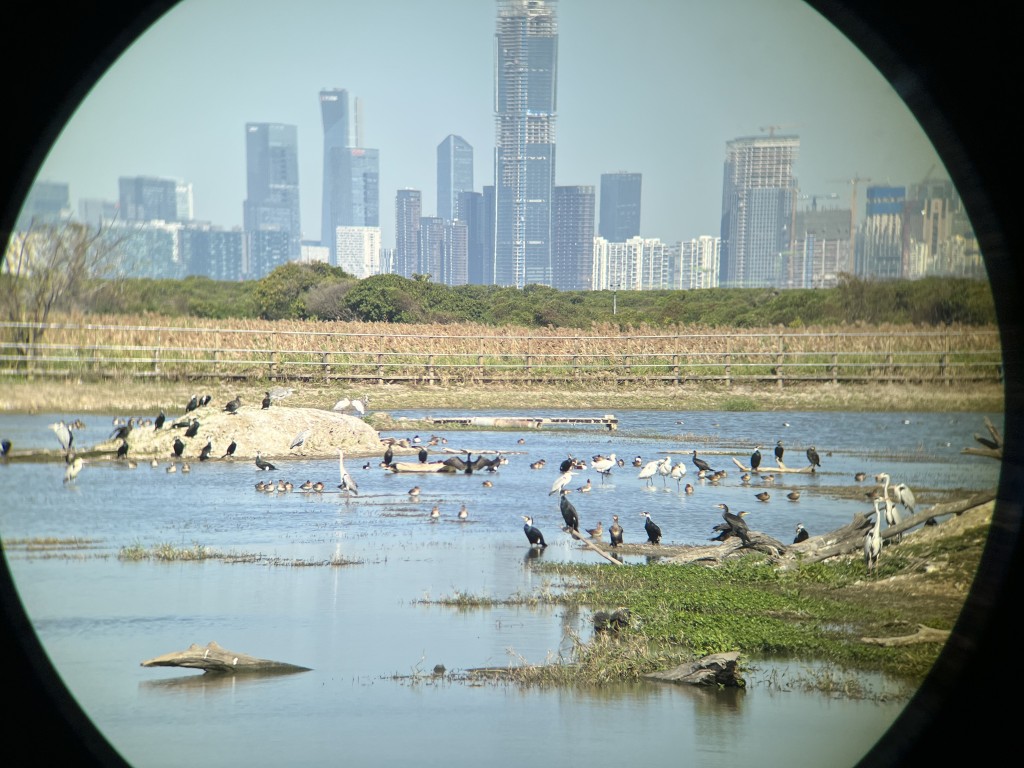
(734, 525)
(205, 400)
(159, 422)
(779, 450)
(533, 534)
(205, 453)
(193, 428)
(262, 464)
(230, 450)
(179, 447)
(233, 405)
(122, 449)
(192, 404)
(615, 532)
(266, 402)
(755, 459)
(801, 534)
(572, 519)
(389, 455)
(653, 531)
(468, 466)
(701, 464)
(567, 464)
(5, 447)
(121, 431)
(812, 456)
(423, 456)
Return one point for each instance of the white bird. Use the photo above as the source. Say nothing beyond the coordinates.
(560, 482)
(342, 404)
(648, 471)
(905, 496)
(73, 468)
(347, 483)
(604, 465)
(665, 469)
(64, 435)
(359, 406)
(873, 539)
(678, 472)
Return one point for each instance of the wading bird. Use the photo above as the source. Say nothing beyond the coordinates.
(598, 532)
(569, 514)
(299, 440)
(463, 512)
(604, 465)
(347, 484)
(755, 459)
(873, 539)
(65, 436)
(701, 464)
(648, 471)
(801, 534)
(414, 492)
(678, 473)
(665, 469)
(653, 531)
(74, 466)
(533, 534)
(560, 482)
(905, 496)
(615, 532)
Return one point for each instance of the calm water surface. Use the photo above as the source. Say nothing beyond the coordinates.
(370, 632)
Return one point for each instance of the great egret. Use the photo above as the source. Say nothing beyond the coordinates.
(653, 531)
(533, 534)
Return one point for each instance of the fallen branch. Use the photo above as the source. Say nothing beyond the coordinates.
(213, 658)
(578, 536)
(923, 635)
(780, 468)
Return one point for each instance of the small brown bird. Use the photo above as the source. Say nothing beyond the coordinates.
(488, 484)
(318, 486)
(435, 512)
(688, 488)
(414, 492)
(860, 476)
(762, 496)
(596, 533)
(793, 495)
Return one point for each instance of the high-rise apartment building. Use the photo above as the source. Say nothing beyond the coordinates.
(272, 189)
(698, 260)
(431, 250)
(881, 242)
(408, 216)
(145, 198)
(358, 250)
(620, 206)
(526, 56)
(48, 201)
(454, 175)
(821, 248)
(758, 204)
(572, 238)
(473, 213)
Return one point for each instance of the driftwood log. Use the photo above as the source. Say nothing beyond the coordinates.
(213, 658)
(716, 669)
(992, 446)
(580, 537)
(779, 467)
(923, 635)
(427, 467)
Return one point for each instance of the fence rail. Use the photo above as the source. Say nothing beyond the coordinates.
(95, 351)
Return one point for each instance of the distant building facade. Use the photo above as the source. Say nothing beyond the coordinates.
(358, 250)
(147, 198)
(454, 175)
(408, 216)
(572, 240)
(758, 203)
(271, 214)
(335, 117)
(526, 56)
(821, 248)
(881, 243)
(620, 206)
(697, 263)
(46, 201)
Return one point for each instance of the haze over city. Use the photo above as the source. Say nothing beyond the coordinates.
(655, 87)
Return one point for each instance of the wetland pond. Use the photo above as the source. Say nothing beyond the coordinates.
(371, 631)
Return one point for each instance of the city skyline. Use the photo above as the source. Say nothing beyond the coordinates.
(808, 80)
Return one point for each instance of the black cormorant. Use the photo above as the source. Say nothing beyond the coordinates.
(5, 447)
(423, 456)
(615, 532)
(779, 450)
(801, 534)
(533, 534)
(122, 449)
(179, 447)
(158, 423)
(572, 519)
(755, 459)
(568, 464)
(653, 531)
(230, 451)
(262, 464)
(389, 456)
(701, 464)
(192, 404)
(193, 428)
(205, 453)
(266, 402)
(205, 400)
(812, 456)
(734, 524)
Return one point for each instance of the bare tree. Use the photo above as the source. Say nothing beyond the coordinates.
(47, 269)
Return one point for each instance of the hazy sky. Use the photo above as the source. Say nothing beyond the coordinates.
(650, 86)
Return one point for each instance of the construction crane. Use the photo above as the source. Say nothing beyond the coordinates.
(771, 129)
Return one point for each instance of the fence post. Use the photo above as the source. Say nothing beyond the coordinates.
(380, 368)
(728, 362)
(325, 359)
(778, 363)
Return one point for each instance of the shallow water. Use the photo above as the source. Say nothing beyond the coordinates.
(368, 630)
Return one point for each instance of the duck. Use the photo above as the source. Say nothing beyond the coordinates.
(793, 495)
(463, 512)
(596, 533)
(762, 496)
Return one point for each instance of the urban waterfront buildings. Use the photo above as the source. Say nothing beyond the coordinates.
(525, 70)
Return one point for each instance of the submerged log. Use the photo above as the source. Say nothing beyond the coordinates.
(716, 669)
(213, 658)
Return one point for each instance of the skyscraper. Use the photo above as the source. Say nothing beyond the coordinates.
(408, 215)
(881, 242)
(334, 112)
(572, 238)
(758, 205)
(620, 206)
(454, 175)
(526, 55)
(272, 201)
(145, 198)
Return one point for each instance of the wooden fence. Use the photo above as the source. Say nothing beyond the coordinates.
(954, 356)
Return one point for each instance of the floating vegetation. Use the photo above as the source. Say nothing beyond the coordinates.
(169, 553)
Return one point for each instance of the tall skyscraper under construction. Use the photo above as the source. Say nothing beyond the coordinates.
(758, 205)
(526, 57)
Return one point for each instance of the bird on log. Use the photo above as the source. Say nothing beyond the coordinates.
(653, 531)
(732, 524)
(65, 436)
(533, 534)
(755, 459)
(193, 403)
(569, 514)
(801, 534)
(779, 450)
(567, 464)
(812, 456)
(232, 406)
(5, 448)
(468, 466)
(122, 449)
(701, 464)
(423, 456)
(389, 456)
(263, 464)
(615, 532)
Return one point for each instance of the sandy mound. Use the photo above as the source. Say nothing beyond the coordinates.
(269, 431)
